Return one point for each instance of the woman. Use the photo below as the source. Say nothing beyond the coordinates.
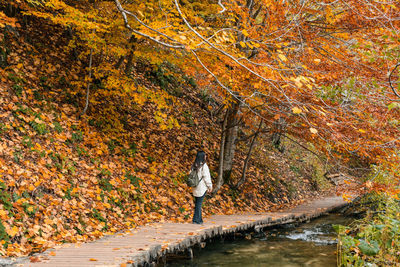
(204, 186)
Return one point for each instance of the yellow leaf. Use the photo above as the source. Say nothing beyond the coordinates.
(31, 187)
(296, 110)
(361, 130)
(317, 60)
(313, 130)
(13, 231)
(282, 57)
(242, 44)
(91, 259)
(245, 33)
(3, 214)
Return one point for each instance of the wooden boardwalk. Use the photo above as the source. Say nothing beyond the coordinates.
(148, 243)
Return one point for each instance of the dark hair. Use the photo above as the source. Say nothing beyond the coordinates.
(200, 160)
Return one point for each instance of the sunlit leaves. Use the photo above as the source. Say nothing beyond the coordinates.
(296, 110)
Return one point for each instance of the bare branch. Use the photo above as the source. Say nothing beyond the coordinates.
(124, 16)
(269, 81)
(390, 80)
(221, 5)
(88, 84)
(243, 178)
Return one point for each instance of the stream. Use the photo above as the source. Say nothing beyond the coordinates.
(310, 244)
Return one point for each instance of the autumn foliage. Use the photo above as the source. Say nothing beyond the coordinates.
(103, 104)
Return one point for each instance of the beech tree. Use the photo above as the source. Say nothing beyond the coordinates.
(306, 64)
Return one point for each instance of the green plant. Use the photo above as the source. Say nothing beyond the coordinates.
(18, 89)
(374, 240)
(40, 128)
(133, 179)
(5, 197)
(133, 148)
(57, 127)
(188, 117)
(71, 167)
(58, 160)
(150, 159)
(38, 95)
(77, 136)
(4, 51)
(14, 78)
(67, 193)
(96, 214)
(29, 209)
(144, 144)
(17, 155)
(104, 180)
(81, 151)
(27, 142)
(295, 169)
(3, 129)
(3, 235)
(112, 144)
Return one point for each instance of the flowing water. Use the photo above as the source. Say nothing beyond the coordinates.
(311, 244)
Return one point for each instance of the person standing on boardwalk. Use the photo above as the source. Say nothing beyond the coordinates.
(204, 186)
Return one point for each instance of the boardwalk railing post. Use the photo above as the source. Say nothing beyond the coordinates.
(190, 253)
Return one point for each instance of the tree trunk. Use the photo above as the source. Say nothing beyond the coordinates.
(129, 63)
(278, 131)
(243, 178)
(121, 59)
(220, 179)
(89, 81)
(230, 140)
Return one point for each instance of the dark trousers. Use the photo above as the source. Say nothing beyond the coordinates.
(198, 201)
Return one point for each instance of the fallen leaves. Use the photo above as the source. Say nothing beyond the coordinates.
(34, 259)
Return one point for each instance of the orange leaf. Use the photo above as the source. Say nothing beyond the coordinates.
(34, 259)
(91, 259)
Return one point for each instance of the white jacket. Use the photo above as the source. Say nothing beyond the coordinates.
(201, 188)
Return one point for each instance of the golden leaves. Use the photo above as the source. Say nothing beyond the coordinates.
(296, 110)
(282, 57)
(313, 130)
(3, 215)
(5, 20)
(12, 231)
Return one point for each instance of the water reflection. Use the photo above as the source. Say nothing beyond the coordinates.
(312, 244)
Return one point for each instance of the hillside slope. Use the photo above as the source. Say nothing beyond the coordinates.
(71, 178)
